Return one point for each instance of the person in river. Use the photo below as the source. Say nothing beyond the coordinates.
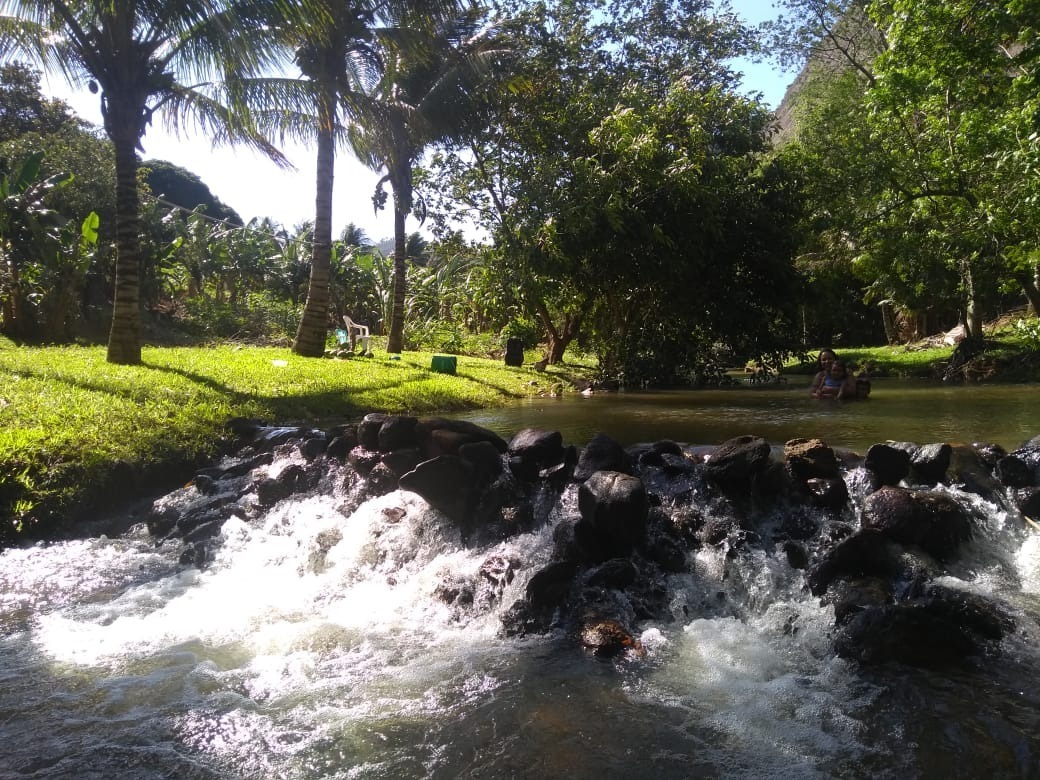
(838, 383)
(823, 363)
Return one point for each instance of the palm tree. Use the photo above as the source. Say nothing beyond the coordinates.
(334, 45)
(426, 94)
(143, 56)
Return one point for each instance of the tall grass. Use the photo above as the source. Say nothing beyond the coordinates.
(76, 431)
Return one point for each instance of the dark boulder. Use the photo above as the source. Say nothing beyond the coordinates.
(442, 436)
(932, 521)
(402, 460)
(531, 451)
(734, 464)
(485, 459)
(446, 483)
(397, 431)
(889, 464)
(615, 505)
(368, 430)
(1014, 472)
(945, 626)
(1028, 502)
(863, 554)
(602, 453)
(929, 464)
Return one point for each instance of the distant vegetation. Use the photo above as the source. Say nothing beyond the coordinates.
(636, 205)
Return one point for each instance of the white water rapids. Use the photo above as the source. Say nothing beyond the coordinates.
(314, 645)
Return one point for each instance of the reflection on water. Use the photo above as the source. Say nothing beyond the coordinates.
(896, 409)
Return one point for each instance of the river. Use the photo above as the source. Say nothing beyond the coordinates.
(313, 645)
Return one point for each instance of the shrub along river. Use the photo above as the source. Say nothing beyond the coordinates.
(293, 614)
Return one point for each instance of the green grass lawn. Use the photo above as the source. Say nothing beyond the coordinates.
(70, 423)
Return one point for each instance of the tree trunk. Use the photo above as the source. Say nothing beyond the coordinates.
(1029, 287)
(310, 335)
(972, 316)
(888, 318)
(124, 339)
(395, 342)
(559, 338)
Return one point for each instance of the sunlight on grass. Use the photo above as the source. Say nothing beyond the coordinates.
(67, 417)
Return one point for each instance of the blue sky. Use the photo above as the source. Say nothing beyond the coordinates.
(254, 187)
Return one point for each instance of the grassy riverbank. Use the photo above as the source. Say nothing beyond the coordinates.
(77, 433)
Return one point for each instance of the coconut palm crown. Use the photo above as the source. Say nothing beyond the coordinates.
(146, 57)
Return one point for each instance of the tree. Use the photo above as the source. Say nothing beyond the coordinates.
(23, 108)
(28, 230)
(425, 93)
(943, 122)
(548, 170)
(143, 58)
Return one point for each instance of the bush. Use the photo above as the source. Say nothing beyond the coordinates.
(528, 331)
(260, 317)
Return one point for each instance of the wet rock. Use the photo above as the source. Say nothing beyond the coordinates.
(441, 436)
(932, 521)
(735, 463)
(810, 459)
(322, 543)
(239, 468)
(827, 493)
(485, 459)
(617, 573)
(668, 554)
(312, 447)
(195, 554)
(402, 460)
(889, 464)
(363, 460)
(456, 592)
(615, 506)
(531, 451)
(446, 483)
(496, 572)
(368, 430)
(850, 597)
(943, 628)
(292, 479)
(608, 639)
(602, 453)
(797, 555)
(1028, 502)
(381, 480)
(160, 521)
(397, 431)
(929, 464)
(1014, 472)
(988, 454)
(863, 554)
(341, 442)
(980, 615)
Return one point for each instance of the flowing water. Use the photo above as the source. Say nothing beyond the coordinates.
(313, 645)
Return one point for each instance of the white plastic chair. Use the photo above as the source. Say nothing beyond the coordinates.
(357, 331)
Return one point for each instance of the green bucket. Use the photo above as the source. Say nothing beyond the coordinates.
(443, 364)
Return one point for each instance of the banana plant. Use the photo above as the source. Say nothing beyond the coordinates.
(30, 234)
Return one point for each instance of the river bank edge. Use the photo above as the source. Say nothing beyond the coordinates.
(49, 492)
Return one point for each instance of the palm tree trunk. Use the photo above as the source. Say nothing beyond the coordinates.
(395, 342)
(124, 339)
(310, 336)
